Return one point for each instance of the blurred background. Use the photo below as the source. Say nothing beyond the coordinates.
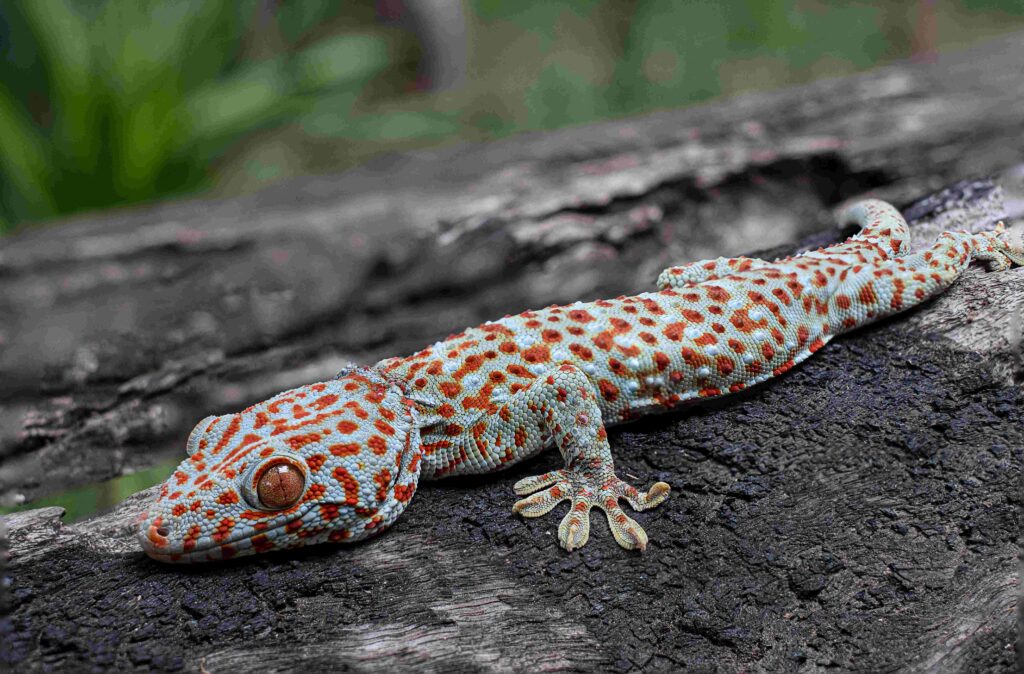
(111, 102)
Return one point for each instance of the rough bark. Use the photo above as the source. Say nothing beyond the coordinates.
(859, 512)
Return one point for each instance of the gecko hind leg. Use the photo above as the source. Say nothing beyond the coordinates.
(1000, 253)
(564, 400)
(901, 283)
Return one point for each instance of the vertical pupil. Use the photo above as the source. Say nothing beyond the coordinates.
(280, 486)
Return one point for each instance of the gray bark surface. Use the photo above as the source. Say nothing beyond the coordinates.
(859, 512)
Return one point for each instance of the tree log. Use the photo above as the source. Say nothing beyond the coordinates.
(859, 512)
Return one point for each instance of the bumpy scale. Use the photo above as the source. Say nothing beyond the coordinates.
(340, 460)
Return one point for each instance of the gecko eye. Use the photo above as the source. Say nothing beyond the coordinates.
(279, 485)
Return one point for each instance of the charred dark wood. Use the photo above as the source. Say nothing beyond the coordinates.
(859, 512)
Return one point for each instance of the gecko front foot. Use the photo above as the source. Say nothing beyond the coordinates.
(588, 487)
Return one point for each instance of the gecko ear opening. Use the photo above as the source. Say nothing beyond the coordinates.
(192, 446)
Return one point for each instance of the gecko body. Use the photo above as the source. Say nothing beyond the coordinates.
(340, 460)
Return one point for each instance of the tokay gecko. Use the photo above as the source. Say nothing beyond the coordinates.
(340, 460)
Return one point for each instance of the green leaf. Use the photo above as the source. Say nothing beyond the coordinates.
(63, 43)
(246, 99)
(23, 159)
(345, 60)
(406, 125)
(330, 115)
(148, 138)
(295, 18)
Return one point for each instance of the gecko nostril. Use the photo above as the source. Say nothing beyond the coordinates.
(162, 531)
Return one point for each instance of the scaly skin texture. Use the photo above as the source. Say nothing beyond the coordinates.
(340, 460)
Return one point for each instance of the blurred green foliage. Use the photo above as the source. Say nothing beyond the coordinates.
(107, 102)
(119, 101)
(84, 501)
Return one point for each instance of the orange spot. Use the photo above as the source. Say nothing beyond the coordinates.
(228, 497)
(232, 428)
(404, 492)
(782, 296)
(357, 409)
(581, 351)
(674, 331)
(897, 294)
(348, 484)
(377, 445)
(609, 391)
(324, 401)
(603, 340)
(472, 363)
(382, 480)
(742, 322)
(262, 543)
(717, 294)
(867, 293)
(297, 442)
(691, 357)
(661, 360)
(345, 449)
(189, 542)
(785, 367)
(537, 354)
(329, 512)
(450, 388)
(519, 371)
(223, 530)
(314, 493)
(551, 336)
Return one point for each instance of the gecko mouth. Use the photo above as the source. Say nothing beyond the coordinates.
(153, 535)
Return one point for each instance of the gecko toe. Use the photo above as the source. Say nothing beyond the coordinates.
(658, 492)
(542, 502)
(625, 529)
(588, 490)
(574, 531)
(528, 485)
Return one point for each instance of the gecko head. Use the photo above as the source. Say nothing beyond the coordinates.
(331, 461)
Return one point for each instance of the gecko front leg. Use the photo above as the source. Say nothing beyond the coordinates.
(563, 402)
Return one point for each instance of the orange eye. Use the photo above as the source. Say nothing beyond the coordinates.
(280, 485)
